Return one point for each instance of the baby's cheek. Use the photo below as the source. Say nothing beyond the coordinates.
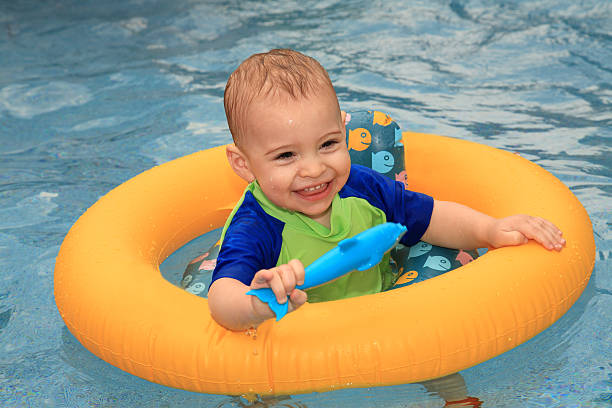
(276, 185)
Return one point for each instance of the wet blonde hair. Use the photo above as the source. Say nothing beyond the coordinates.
(276, 73)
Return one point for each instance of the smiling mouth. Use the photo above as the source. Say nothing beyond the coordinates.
(314, 192)
(315, 188)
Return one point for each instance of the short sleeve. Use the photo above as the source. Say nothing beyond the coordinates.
(409, 208)
(252, 242)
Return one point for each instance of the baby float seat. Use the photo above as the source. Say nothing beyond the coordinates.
(374, 141)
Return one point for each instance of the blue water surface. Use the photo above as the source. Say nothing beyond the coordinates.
(94, 92)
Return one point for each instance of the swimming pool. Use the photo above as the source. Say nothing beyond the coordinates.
(93, 93)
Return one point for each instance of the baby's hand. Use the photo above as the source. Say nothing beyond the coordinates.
(518, 229)
(282, 280)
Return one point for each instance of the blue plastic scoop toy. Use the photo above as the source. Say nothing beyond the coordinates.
(360, 252)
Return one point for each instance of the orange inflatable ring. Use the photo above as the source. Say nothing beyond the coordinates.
(112, 297)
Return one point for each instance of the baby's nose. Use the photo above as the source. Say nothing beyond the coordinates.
(311, 167)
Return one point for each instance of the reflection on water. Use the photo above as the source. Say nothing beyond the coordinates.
(261, 402)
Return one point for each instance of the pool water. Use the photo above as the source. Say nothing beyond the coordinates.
(93, 93)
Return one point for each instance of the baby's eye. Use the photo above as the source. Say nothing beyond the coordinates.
(284, 156)
(329, 143)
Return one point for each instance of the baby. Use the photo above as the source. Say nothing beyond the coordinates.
(304, 196)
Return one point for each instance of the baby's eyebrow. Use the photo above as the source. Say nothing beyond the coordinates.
(335, 132)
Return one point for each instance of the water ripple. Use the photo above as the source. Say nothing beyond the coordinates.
(95, 93)
(25, 101)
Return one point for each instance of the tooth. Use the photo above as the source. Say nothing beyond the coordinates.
(320, 186)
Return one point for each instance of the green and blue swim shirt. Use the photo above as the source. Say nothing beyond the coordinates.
(260, 235)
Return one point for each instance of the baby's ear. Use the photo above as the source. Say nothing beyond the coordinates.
(239, 163)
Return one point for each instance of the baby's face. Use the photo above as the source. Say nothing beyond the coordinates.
(297, 152)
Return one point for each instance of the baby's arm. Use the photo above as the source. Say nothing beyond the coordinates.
(454, 225)
(232, 308)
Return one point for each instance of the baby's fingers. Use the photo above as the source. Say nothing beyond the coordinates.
(288, 278)
(270, 278)
(544, 232)
(298, 270)
(298, 298)
(282, 283)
